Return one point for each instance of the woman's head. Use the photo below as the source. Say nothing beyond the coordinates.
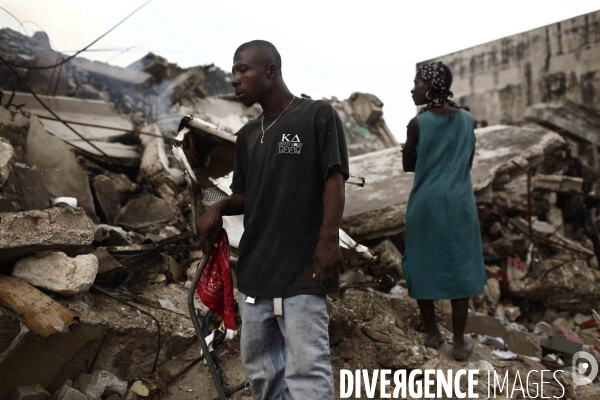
(432, 85)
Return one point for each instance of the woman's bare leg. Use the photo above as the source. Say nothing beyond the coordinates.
(462, 345)
(434, 336)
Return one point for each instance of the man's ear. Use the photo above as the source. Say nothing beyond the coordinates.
(272, 71)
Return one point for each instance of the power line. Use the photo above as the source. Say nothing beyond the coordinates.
(48, 108)
(17, 19)
(82, 50)
(103, 127)
(121, 52)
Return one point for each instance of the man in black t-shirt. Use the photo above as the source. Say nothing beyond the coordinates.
(288, 181)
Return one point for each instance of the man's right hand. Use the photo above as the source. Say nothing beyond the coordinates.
(210, 224)
(208, 228)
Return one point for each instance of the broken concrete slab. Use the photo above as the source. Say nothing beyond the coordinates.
(144, 212)
(522, 344)
(7, 158)
(154, 166)
(96, 112)
(122, 183)
(52, 157)
(30, 392)
(120, 339)
(560, 345)
(153, 64)
(567, 118)
(10, 327)
(367, 106)
(33, 360)
(110, 73)
(379, 208)
(570, 285)
(61, 229)
(25, 190)
(557, 183)
(57, 272)
(50, 81)
(480, 324)
(107, 197)
(364, 126)
(390, 260)
(68, 393)
(499, 145)
(83, 111)
(182, 84)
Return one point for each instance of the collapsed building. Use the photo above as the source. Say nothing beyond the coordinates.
(97, 247)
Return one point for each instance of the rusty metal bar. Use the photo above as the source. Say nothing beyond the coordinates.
(567, 247)
(529, 213)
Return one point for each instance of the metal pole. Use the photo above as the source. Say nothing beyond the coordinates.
(198, 328)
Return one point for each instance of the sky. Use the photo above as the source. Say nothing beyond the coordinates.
(328, 48)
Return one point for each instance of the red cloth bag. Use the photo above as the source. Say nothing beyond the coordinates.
(216, 285)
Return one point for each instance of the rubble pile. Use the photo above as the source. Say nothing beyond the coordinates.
(535, 190)
(97, 244)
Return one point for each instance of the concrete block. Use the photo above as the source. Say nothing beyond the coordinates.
(521, 343)
(107, 197)
(30, 392)
(61, 229)
(143, 212)
(7, 157)
(58, 273)
(183, 83)
(156, 66)
(68, 393)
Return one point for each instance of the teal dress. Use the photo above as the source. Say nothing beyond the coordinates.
(443, 257)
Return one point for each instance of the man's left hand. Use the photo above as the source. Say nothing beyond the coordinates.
(327, 259)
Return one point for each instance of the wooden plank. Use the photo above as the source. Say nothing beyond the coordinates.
(40, 313)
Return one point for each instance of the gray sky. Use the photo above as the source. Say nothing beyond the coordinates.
(328, 48)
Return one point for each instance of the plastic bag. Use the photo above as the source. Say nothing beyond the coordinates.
(99, 382)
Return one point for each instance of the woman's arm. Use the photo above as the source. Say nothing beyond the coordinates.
(471, 159)
(409, 151)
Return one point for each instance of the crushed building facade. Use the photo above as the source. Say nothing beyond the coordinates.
(500, 79)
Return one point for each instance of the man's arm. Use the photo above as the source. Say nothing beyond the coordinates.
(327, 259)
(209, 225)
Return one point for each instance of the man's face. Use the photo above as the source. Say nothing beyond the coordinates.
(250, 76)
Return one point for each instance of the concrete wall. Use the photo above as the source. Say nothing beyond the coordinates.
(499, 79)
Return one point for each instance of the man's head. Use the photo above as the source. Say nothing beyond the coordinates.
(256, 70)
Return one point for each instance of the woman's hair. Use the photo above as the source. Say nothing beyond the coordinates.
(440, 77)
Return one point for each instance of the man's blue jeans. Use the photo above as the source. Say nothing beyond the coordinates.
(287, 357)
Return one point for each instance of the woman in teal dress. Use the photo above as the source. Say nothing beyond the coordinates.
(443, 257)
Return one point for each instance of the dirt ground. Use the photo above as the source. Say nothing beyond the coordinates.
(197, 384)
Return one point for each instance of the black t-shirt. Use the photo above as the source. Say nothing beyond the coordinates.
(283, 180)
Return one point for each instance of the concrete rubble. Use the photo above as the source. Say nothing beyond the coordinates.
(58, 273)
(116, 252)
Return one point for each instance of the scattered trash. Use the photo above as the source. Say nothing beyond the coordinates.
(494, 342)
(378, 337)
(139, 389)
(505, 354)
(100, 382)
